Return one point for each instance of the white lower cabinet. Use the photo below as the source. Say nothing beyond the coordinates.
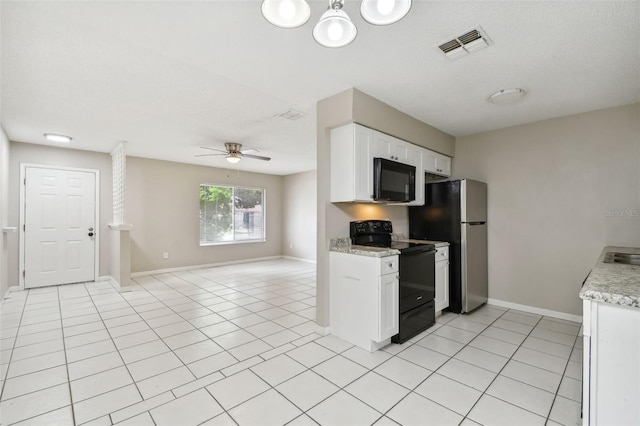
(442, 278)
(364, 299)
(611, 364)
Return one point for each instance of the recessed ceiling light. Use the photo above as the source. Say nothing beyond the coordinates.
(507, 96)
(58, 138)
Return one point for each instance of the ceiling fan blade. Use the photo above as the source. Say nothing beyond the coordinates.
(248, 150)
(213, 149)
(257, 157)
(207, 155)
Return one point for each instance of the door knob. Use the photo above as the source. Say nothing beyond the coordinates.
(90, 228)
(91, 234)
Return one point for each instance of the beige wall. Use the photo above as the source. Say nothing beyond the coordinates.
(4, 214)
(299, 215)
(553, 186)
(163, 207)
(333, 219)
(63, 157)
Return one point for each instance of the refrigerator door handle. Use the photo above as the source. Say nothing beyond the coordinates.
(475, 223)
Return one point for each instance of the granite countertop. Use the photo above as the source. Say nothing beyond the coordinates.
(614, 283)
(343, 245)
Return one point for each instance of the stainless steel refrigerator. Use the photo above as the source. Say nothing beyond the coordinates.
(456, 211)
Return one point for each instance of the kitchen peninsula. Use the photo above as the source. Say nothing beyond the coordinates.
(611, 310)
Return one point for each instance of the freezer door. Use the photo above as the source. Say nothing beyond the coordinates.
(473, 201)
(475, 282)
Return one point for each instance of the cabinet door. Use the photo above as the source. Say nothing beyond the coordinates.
(363, 167)
(429, 159)
(415, 159)
(388, 307)
(443, 165)
(442, 285)
(385, 146)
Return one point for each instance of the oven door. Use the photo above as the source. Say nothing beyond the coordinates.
(417, 278)
(415, 321)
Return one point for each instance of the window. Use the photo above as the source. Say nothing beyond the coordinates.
(231, 214)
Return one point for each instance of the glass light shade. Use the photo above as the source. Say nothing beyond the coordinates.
(233, 158)
(334, 29)
(57, 138)
(286, 13)
(384, 12)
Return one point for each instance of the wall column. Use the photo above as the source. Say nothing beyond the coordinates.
(120, 231)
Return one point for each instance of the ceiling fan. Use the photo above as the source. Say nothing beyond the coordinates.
(234, 152)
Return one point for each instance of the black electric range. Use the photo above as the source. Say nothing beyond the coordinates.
(416, 275)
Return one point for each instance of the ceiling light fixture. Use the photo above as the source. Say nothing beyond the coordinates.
(286, 13)
(233, 157)
(384, 12)
(507, 96)
(334, 29)
(58, 138)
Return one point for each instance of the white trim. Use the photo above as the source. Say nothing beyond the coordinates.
(299, 259)
(23, 173)
(534, 310)
(323, 331)
(208, 265)
(11, 289)
(105, 278)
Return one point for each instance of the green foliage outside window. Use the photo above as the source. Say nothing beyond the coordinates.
(230, 214)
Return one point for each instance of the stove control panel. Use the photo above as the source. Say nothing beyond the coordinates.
(363, 227)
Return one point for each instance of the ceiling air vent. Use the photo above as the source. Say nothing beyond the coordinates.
(469, 42)
(291, 114)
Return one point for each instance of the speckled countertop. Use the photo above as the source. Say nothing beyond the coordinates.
(343, 245)
(614, 283)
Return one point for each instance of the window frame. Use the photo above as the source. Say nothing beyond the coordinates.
(234, 241)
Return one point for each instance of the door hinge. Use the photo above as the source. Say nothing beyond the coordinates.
(23, 274)
(24, 227)
(25, 181)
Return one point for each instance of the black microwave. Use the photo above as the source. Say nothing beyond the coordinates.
(393, 181)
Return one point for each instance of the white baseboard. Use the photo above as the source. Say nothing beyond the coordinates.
(299, 259)
(11, 289)
(208, 265)
(534, 310)
(105, 278)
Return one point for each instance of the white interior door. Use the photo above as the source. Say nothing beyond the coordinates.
(59, 233)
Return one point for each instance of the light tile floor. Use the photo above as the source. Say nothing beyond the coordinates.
(236, 345)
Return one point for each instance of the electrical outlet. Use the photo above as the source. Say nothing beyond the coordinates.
(165, 255)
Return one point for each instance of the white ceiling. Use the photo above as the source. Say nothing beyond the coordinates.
(169, 77)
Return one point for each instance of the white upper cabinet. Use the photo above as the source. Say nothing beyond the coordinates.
(415, 159)
(385, 146)
(352, 163)
(436, 163)
(353, 148)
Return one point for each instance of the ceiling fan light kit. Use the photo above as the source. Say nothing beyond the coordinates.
(334, 29)
(233, 158)
(233, 152)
